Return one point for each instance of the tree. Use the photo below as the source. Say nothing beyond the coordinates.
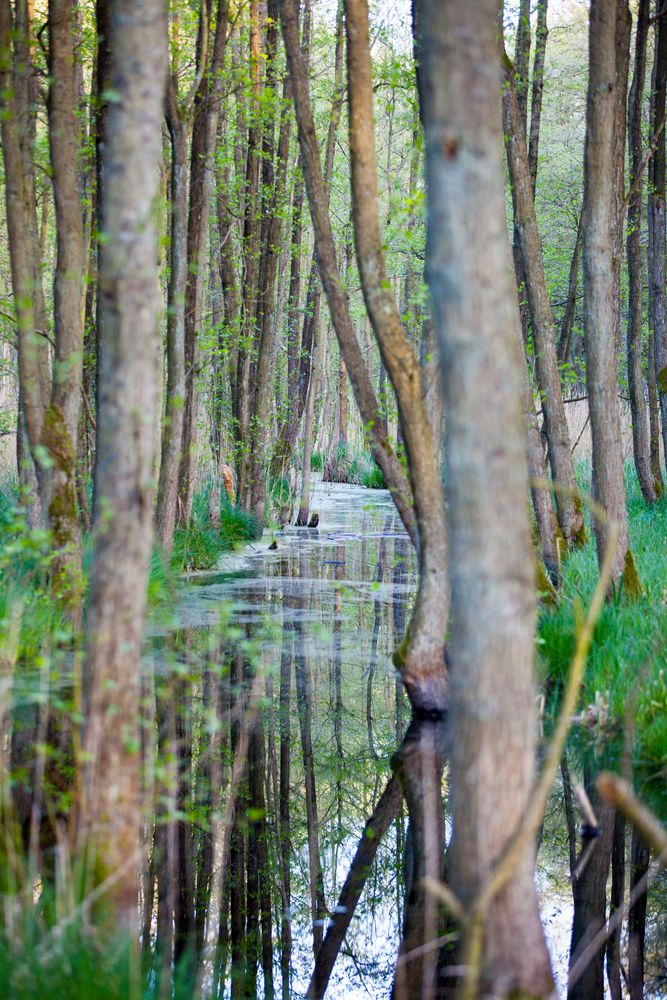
(570, 513)
(129, 305)
(602, 221)
(640, 431)
(491, 728)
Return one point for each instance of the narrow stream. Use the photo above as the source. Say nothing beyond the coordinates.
(325, 608)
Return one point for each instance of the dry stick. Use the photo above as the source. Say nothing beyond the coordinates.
(474, 920)
(619, 794)
(581, 433)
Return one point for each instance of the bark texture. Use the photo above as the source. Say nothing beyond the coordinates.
(129, 303)
(640, 428)
(491, 736)
(609, 31)
(570, 513)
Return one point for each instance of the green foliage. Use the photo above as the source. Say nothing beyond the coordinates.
(280, 491)
(625, 672)
(200, 545)
(317, 461)
(38, 962)
(373, 478)
(357, 468)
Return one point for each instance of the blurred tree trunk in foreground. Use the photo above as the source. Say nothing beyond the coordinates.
(129, 304)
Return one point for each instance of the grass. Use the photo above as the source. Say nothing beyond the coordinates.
(32, 621)
(200, 545)
(357, 468)
(625, 671)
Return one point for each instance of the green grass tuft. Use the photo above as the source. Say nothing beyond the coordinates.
(626, 664)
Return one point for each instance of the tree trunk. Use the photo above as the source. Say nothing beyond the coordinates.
(204, 133)
(615, 904)
(491, 658)
(639, 861)
(129, 304)
(657, 211)
(16, 135)
(609, 32)
(590, 904)
(330, 275)
(61, 420)
(568, 506)
(172, 434)
(537, 87)
(640, 430)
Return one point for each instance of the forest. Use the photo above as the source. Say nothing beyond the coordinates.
(333, 523)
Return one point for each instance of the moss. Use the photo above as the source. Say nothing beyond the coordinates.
(662, 379)
(545, 588)
(632, 586)
(401, 652)
(581, 536)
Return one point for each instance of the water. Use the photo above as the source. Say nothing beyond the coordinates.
(321, 612)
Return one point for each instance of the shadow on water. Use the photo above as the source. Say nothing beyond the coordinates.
(276, 710)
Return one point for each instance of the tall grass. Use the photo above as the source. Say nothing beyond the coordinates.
(624, 686)
(355, 467)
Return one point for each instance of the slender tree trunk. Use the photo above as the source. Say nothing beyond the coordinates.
(657, 211)
(651, 379)
(590, 904)
(491, 658)
(288, 433)
(129, 304)
(286, 659)
(567, 322)
(204, 132)
(640, 430)
(61, 420)
(16, 135)
(609, 33)
(383, 815)
(172, 434)
(537, 87)
(568, 507)
(329, 273)
(616, 903)
(639, 861)
(304, 698)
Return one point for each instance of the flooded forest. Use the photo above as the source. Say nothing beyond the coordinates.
(333, 524)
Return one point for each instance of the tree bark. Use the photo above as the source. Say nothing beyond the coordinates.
(537, 87)
(61, 420)
(330, 276)
(172, 433)
(609, 30)
(590, 904)
(568, 506)
(204, 132)
(640, 429)
(16, 135)
(639, 862)
(657, 212)
(491, 735)
(129, 304)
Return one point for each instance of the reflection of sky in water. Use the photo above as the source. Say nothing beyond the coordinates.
(346, 586)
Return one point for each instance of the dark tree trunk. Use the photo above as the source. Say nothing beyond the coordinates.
(640, 429)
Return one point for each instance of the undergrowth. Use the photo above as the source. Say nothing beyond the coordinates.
(200, 545)
(625, 685)
(30, 618)
(354, 467)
